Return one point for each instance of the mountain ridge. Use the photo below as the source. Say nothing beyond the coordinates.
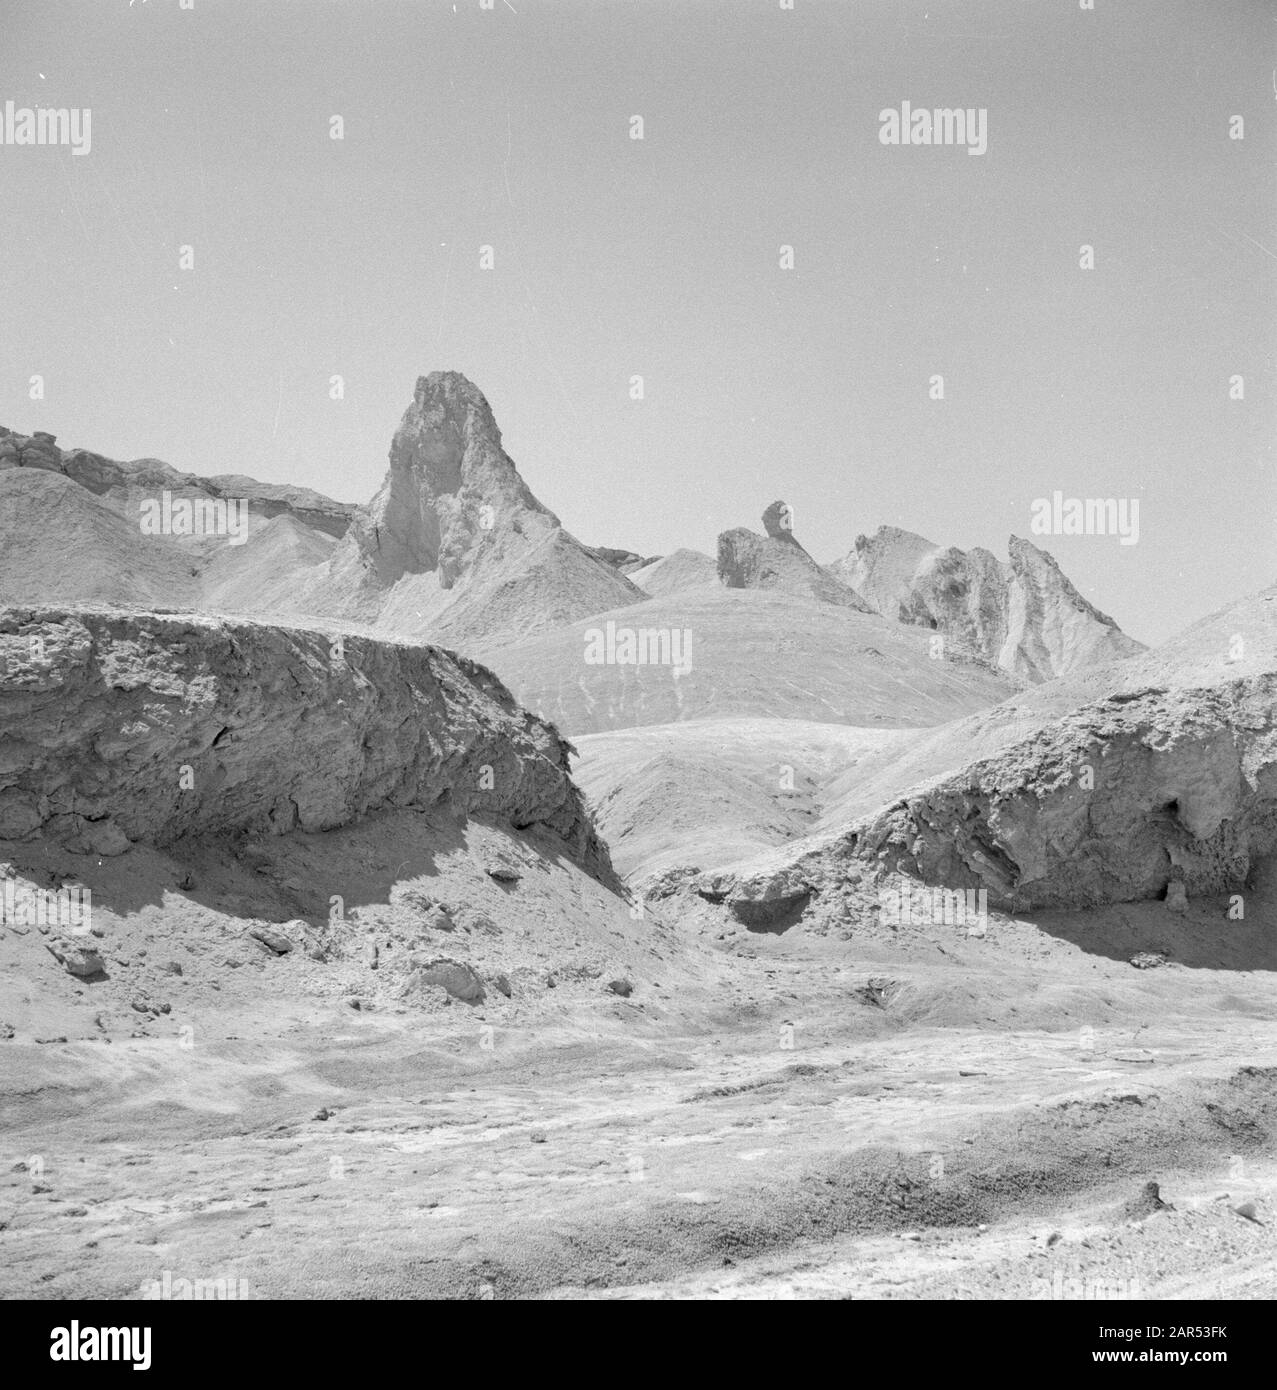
(1024, 613)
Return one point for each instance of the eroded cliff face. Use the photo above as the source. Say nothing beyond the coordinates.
(1023, 614)
(1112, 803)
(446, 466)
(454, 546)
(132, 727)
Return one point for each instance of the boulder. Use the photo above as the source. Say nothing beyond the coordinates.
(455, 976)
(75, 957)
(272, 939)
(778, 521)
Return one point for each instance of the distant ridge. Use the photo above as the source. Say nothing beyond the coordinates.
(1024, 615)
(123, 485)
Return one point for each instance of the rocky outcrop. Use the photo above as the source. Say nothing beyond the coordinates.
(1118, 801)
(122, 486)
(1115, 802)
(1051, 628)
(778, 521)
(1023, 615)
(38, 450)
(881, 568)
(625, 561)
(451, 489)
(454, 545)
(117, 728)
(453, 548)
(747, 560)
(1154, 777)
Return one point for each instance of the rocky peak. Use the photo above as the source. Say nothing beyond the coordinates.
(454, 545)
(38, 450)
(881, 568)
(449, 482)
(778, 521)
(776, 560)
(1041, 568)
(1022, 614)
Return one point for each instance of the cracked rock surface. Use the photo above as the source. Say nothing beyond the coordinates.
(119, 727)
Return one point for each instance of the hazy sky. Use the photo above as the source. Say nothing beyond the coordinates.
(616, 257)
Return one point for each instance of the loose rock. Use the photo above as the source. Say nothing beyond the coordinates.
(273, 940)
(76, 957)
(455, 976)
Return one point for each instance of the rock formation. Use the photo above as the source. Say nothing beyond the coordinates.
(454, 545)
(882, 567)
(446, 466)
(747, 560)
(778, 521)
(1023, 615)
(76, 534)
(1113, 803)
(1152, 777)
(1182, 787)
(123, 485)
(625, 561)
(117, 728)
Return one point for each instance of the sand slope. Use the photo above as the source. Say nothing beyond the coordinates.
(754, 653)
(62, 544)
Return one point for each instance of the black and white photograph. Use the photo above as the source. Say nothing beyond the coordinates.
(638, 662)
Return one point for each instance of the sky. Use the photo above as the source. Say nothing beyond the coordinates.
(613, 258)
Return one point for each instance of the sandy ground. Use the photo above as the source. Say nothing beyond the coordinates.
(777, 1116)
(711, 791)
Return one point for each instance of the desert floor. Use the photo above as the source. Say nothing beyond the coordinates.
(872, 1115)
